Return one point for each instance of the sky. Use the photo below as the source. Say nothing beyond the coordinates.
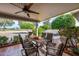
(50, 20)
(16, 25)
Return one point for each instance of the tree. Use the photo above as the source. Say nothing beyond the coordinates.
(6, 22)
(63, 21)
(26, 25)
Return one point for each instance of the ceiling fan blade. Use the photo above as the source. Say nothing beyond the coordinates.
(18, 12)
(28, 15)
(15, 5)
(29, 5)
(30, 11)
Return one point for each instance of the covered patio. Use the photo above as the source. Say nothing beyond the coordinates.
(33, 45)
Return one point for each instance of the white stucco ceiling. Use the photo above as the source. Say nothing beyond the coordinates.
(46, 10)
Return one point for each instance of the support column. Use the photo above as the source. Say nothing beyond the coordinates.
(36, 29)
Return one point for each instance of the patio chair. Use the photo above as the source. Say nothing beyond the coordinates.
(48, 36)
(50, 49)
(53, 49)
(28, 48)
(27, 36)
(68, 44)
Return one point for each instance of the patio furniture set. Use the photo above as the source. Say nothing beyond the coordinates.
(46, 45)
(39, 46)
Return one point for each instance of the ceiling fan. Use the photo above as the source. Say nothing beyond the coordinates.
(25, 9)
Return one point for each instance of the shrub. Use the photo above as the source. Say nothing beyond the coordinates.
(3, 40)
(26, 25)
(40, 31)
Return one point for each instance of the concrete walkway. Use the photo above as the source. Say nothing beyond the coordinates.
(11, 50)
(15, 51)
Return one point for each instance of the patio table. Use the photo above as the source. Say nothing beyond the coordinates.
(37, 39)
(37, 42)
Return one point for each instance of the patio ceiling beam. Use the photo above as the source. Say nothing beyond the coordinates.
(76, 14)
(16, 17)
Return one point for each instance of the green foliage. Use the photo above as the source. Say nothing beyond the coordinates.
(41, 29)
(26, 25)
(46, 26)
(63, 21)
(68, 32)
(3, 40)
